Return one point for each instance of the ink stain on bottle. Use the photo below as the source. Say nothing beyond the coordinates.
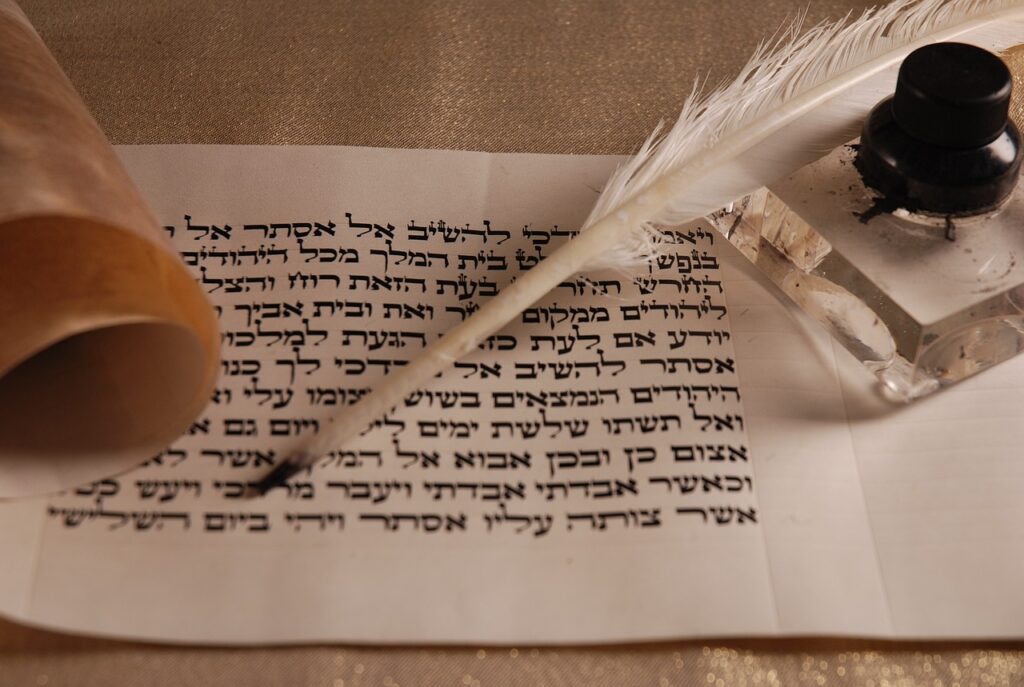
(880, 205)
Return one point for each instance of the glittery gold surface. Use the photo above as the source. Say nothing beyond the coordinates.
(528, 76)
(1014, 58)
(31, 658)
(565, 77)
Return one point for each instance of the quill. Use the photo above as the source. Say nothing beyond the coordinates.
(800, 95)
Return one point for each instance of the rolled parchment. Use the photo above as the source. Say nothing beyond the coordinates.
(108, 348)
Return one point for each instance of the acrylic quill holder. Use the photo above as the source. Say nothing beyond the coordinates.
(923, 301)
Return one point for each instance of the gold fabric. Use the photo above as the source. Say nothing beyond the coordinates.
(1014, 58)
(525, 76)
(558, 77)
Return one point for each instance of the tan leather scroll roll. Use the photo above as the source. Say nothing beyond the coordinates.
(108, 348)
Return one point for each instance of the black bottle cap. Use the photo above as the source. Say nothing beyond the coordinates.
(952, 94)
(944, 143)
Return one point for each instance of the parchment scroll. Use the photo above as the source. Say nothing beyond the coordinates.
(108, 348)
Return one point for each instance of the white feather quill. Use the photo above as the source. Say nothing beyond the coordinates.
(800, 96)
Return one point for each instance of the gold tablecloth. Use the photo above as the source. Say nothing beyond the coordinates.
(557, 77)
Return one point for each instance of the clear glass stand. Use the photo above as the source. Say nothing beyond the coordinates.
(922, 301)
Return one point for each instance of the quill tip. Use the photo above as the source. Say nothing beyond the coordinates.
(277, 477)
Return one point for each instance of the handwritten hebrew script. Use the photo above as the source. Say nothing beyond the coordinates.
(585, 474)
(664, 453)
(611, 406)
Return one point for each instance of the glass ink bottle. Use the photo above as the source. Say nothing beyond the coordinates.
(907, 243)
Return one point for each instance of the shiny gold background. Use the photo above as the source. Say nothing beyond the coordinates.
(555, 77)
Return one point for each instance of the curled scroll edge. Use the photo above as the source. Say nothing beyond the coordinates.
(108, 347)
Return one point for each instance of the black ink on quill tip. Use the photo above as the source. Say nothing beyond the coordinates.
(279, 475)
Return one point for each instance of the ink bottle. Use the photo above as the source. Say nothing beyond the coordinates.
(907, 243)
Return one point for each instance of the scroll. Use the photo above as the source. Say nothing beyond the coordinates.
(108, 348)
